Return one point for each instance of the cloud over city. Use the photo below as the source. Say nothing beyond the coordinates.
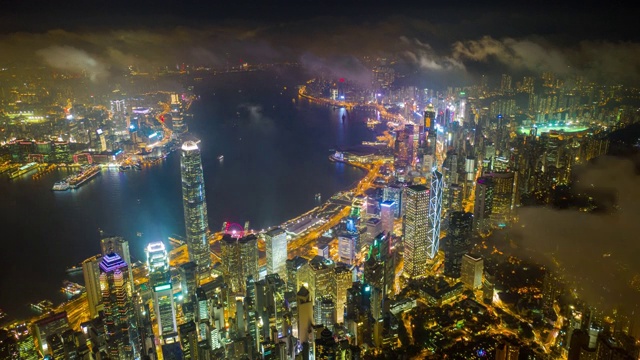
(462, 49)
(599, 251)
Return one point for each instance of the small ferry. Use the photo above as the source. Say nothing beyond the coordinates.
(43, 306)
(74, 269)
(220, 157)
(62, 185)
(318, 196)
(71, 288)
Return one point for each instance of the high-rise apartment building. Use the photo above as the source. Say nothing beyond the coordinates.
(416, 234)
(195, 207)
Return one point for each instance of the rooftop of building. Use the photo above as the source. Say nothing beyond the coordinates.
(418, 188)
(297, 261)
(275, 232)
(319, 262)
(111, 262)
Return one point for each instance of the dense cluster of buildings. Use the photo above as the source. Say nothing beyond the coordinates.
(402, 272)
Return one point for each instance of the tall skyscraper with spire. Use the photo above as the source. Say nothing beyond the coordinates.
(195, 207)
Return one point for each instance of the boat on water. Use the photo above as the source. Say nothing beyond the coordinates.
(43, 306)
(176, 240)
(23, 170)
(71, 288)
(318, 196)
(87, 173)
(62, 185)
(220, 157)
(74, 269)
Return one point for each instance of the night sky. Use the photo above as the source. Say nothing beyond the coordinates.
(447, 41)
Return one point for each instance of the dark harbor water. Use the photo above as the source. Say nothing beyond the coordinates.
(275, 160)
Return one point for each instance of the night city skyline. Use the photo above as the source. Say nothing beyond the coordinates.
(319, 180)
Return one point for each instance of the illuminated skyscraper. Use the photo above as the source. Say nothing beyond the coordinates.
(118, 308)
(271, 304)
(394, 193)
(120, 246)
(483, 205)
(188, 279)
(435, 212)
(472, 267)
(239, 260)
(195, 207)
(503, 198)
(276, 248)
(430, 127)
(347, 247)
(429, 117)
(160, 280)
(387, 210)
(403, 151)
(416, 236)
(305, 314)
(324, 311)
(295, 266)
(319, 277)
(343, 278)
(91, 274)
(189, 340)
(379, 267)
(52, 324)
(454, 196)
(457, 243)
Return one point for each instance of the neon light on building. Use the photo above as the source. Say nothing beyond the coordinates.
(435, 213)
